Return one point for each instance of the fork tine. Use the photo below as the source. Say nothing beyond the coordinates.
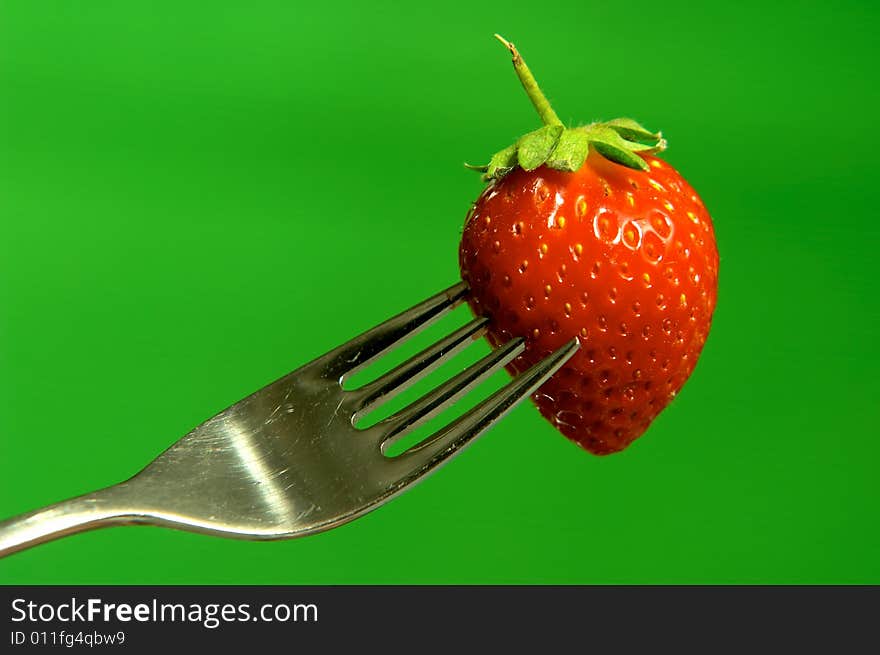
(449, 440)
(410, 417)
(353, 355)
(404, 376)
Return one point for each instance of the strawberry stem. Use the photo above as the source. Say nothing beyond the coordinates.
(539, 100)
(621, 140)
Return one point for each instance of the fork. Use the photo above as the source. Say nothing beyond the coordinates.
(288, 461)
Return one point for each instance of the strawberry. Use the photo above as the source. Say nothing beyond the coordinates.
(584, 232)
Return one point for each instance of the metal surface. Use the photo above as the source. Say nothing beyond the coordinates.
(287, 460)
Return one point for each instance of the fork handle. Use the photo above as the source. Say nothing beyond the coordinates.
(98, 509)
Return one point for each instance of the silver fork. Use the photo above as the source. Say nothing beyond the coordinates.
(288, 461)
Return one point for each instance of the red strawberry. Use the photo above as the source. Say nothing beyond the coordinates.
(614, 248)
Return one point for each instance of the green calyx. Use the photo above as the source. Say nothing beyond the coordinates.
(565, 148)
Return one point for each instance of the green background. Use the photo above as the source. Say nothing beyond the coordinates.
(196, 197)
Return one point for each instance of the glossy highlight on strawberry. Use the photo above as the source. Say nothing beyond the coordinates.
(622, 258)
